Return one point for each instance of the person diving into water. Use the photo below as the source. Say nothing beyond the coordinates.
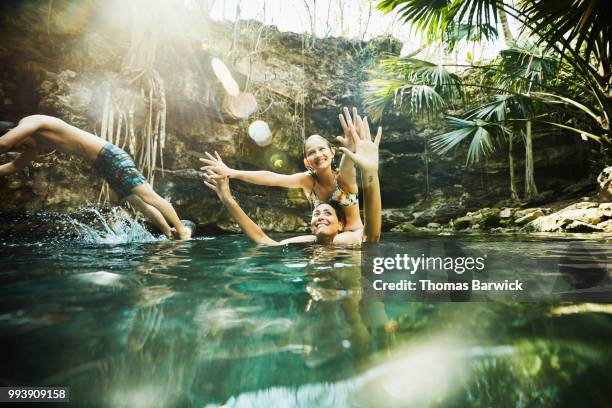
(327, 222)
(38, 132)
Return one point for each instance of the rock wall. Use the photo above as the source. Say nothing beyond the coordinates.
(57, 64)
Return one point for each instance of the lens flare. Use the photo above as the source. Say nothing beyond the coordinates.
(260, 132)
(224, 76)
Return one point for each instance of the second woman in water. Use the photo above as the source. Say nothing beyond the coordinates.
(320, 182)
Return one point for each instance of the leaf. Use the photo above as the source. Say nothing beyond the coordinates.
(480, 145)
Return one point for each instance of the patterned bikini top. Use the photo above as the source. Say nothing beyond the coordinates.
(343, 198)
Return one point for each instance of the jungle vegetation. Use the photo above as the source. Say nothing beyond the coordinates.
(555, 73)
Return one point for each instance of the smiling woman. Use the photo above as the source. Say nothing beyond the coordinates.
(326, 224)
(320, 182)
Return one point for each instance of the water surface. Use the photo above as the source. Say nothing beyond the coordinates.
(220, 321)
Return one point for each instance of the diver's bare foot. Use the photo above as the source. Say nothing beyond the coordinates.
(184, 234)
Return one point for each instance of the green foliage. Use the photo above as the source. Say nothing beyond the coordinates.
(576, 33)
(468, 32)
(479, 130)
(437, 19)
(429, 17)
(583, 27)
(411, 85)
(525, 66)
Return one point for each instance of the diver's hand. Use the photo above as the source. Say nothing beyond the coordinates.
(219, 184)
(366, 150)
(216, 165)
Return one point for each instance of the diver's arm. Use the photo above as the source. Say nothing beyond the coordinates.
(19, 163)
(220, 185)
(27, 127)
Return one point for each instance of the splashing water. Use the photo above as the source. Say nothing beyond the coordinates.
(87, 226)
(118, 227)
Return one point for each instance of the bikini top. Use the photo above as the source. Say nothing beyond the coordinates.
(343, 198)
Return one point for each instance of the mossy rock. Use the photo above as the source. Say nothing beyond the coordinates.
(490, 217)
(463, 222)
(405, 227)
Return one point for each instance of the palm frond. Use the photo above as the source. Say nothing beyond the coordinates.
(456, 32)
(586, 23)
(380, 93)
(426, 16)
(475, 12)
(480, 146)
(569, 101)
(525, 67)
(480, 132)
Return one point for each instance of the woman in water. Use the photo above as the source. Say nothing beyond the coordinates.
(320, 182)
(327, 224)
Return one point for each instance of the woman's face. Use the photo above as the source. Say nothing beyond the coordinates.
(324, 222)
(318, 154)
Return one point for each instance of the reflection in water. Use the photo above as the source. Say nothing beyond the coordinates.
(221, 321)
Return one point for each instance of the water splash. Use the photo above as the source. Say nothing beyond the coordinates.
(116, 227)
(89, 226)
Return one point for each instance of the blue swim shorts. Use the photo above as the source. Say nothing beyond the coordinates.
(118, 169)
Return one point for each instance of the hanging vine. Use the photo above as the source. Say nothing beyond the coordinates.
(136, 120)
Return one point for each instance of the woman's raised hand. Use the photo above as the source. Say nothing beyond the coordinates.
(216, 165)
(366, 149)
(219, 184)
(347, 124)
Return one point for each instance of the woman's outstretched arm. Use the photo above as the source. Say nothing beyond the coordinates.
(220, 185)
(260, 177)
(366, 157)
(347, 175)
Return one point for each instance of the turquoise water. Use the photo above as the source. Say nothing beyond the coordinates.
(218, 321)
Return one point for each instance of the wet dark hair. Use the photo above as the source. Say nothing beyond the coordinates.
(5, 127)
(339, 211)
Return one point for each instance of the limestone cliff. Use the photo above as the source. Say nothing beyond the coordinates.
(76, 63)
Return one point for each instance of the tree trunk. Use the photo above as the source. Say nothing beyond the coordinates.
(531, 190)
(503, 19)
(235, 30)
(426, 169)
(513, 193)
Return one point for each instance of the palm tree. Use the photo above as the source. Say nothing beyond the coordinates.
(580, 33)
(521, 77)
